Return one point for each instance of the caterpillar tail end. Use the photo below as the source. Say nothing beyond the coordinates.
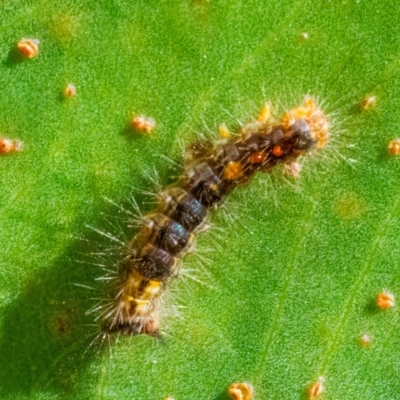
(149, 327)
(136, 309)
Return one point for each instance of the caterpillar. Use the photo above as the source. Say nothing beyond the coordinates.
(211, 172)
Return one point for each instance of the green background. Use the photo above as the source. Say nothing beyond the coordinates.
(286, 279)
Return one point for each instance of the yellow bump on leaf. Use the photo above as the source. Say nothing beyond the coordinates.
(241, 391)
(304, 36)
(368, 102)
(316, 389)
(29, 48)
(69, 91)
(224, 131)
(385, 300)
(365, 340)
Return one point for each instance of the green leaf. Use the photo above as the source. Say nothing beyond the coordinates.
(293, 268)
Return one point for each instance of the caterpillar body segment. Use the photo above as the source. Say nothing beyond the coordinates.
(211, 172)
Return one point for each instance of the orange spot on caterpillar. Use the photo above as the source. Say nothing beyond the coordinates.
(316, 389)
(385, 300)
(394, 147)
(233, 171)
(258, 157)
(277, 151)
(241, 391)
(29, 48)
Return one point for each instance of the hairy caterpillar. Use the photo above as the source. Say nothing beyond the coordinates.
(211, 172)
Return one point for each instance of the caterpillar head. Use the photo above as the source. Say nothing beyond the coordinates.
(308, 117)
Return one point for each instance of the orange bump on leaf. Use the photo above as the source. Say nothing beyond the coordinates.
(394, 147)
(69, 91)
(316, 389)
(9, 145)
(143, 124)
(241, 391)
(368, 103)
(385, 300)
(365, 340)
(304, 36)
(29, 48)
